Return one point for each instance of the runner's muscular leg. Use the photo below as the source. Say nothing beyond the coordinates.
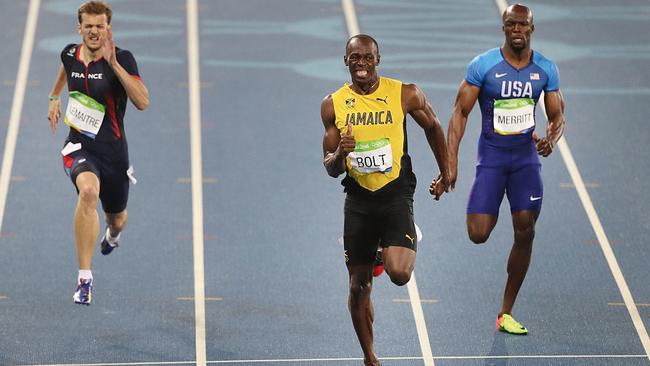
(523, 223)
(399, 263)
(116, 221)
(86, 219)
(360, 306)
(480, 226)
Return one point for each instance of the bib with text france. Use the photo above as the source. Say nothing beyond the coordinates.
(372, 156)
(84, 114)
(514, 116)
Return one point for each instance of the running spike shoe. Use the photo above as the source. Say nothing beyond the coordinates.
(106, 247)
(84, 293)
(506, 323)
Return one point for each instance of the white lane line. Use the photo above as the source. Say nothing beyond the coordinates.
(502, 5)
(197, 178)
(424, 301)
(420, 324)
(346, 359)
(642, 305)
(537, 357)
(416, 305)
(605, 245)
(17, 105)
(207, 298)
(350, 17)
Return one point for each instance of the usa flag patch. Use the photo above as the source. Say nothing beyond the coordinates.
(534, 76)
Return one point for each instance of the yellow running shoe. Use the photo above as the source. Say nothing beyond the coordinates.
(506, 323)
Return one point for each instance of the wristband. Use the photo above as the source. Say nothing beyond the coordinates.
(54, 97)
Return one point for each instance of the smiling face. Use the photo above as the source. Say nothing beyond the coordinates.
(361, 58)
(518, 27)
(93, 28)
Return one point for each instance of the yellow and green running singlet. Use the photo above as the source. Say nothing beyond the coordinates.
(377, 122)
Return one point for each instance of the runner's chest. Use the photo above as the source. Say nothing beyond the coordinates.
(95, 79)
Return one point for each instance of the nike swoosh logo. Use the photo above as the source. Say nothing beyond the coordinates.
(497, 75)
(535, 198)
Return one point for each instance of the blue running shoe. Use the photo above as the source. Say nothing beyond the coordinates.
(106, 247)
(84, 293)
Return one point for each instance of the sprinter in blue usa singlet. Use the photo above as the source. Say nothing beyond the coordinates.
(507, 157)
(508, 83)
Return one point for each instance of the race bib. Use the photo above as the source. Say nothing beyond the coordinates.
(514, 116)
(372, 156)
(84, 114)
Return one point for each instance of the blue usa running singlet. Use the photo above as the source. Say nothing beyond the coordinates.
(508, 95)
(508, 162)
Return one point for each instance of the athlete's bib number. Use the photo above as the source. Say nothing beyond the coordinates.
(514, 116)
(84, 114)
(372, 156)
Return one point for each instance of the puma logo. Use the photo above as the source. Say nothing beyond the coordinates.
(385, 100)
(410, 238)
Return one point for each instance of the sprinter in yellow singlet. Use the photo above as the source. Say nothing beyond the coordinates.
(365, 137)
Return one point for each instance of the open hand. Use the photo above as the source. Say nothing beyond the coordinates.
(54, 113)
(108, 47)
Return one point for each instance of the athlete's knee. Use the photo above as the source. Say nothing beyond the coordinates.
(88, 194)
(400, 277)
(359, 290)
(524, 227)
(524, 235)
(478, 237)
(479, 227)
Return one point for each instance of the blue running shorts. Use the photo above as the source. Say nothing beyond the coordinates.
(515, 171)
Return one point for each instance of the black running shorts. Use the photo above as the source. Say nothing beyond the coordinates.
(371, 222)
(109, 162)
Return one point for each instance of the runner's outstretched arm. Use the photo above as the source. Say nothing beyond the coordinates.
(54, 109)
(415, 103)
(554, 103)
(465, 100)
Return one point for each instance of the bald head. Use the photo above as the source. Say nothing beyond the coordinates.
(518, 10)
(360, 38)
(362, 58)
(518, 28)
